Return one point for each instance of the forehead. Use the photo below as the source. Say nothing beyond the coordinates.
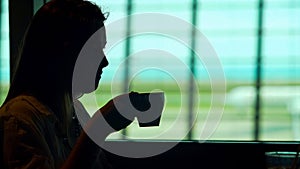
(96, 40)
(102, 34)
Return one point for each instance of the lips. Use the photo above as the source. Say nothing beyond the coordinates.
(102, 65)
(98, 77)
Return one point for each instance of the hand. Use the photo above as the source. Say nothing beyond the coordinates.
(115, 115)
(121, 110)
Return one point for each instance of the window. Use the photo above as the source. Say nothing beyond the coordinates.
(266, 63)
(231, 27)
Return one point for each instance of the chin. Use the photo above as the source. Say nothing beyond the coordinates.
(86, 89)
(90, 89)
(97, 80)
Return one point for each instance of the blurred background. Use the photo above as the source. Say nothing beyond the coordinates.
(257, 43)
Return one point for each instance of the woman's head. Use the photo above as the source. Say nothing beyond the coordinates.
(51, 46)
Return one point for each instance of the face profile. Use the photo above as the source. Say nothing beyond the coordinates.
(104, 61)
(90, 64)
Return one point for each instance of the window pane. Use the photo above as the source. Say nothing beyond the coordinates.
(4, 51)
(231, 28)
(281, 74)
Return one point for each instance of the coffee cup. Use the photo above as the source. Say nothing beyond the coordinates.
(149, 108)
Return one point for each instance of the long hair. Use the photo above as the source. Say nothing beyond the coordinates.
(49, 51)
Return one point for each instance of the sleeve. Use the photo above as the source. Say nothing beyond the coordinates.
(25, 146)
(101, 161)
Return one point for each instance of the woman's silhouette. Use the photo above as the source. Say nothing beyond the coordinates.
(38, 110)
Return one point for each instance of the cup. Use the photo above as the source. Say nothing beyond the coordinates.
(149, 108)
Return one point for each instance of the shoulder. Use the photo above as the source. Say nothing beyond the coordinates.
(27, 109)
(28, 133)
